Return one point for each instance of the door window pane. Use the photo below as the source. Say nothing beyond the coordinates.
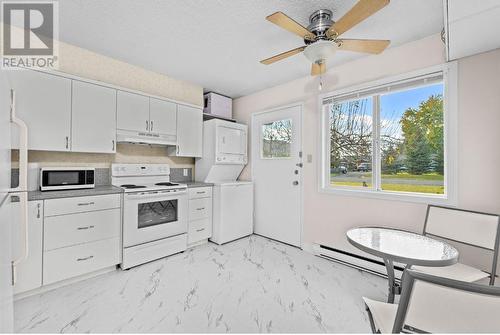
(412, 140)
(155, 213)
(277, 139)
(351, 143)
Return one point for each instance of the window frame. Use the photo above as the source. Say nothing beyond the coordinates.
(449, 72)
(261, 141)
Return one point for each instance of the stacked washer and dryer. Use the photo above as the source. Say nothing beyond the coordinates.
(224, 157)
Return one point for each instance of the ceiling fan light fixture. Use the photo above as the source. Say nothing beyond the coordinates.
(320, 51)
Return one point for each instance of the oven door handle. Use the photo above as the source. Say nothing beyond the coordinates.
(157, 196)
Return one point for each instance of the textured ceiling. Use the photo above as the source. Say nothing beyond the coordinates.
(218, 43)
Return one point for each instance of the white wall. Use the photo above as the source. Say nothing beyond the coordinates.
(327, 216)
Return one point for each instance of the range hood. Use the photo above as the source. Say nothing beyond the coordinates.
(135, 137)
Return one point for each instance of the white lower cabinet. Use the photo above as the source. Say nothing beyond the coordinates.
(200, 215)
(28, 273)
(81, 235)
(79, 259)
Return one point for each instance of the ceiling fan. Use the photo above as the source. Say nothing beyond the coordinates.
(321, 37)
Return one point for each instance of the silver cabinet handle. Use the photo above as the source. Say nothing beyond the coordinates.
(85, 203)
(67, 142)
(85, 228)
(201, 229)
(200, 209)
(84, 258)
(201, 192)
(38, 211)
(113, 145)
(151, 127)
(299, 165)
(147, 125)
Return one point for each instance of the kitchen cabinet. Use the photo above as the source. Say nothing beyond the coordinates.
(132, 112)
(93, 118)
(200, 215)
(28, 272)
(81, 235)
(162, 116)
(189, 132)
(43, 102)
(464, 20)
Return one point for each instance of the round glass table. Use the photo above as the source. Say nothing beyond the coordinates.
(394, 245)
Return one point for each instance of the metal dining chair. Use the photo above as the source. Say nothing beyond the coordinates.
(431, 304)
(481, 230)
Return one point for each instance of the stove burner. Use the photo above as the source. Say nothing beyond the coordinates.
(166, 184)
(132, 186)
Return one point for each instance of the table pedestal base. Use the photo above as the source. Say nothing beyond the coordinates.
(394, 288)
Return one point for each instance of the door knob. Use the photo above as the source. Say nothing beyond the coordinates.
(299, 165)
(295, 183)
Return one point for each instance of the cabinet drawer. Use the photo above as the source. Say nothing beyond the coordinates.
(199, 230)
(200, 208)
(200, 192)
(66, 230)
(81, 204)
(80, 259)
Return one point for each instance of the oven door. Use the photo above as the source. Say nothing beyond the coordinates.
(152, 216)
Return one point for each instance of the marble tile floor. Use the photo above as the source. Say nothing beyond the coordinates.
(250, 285)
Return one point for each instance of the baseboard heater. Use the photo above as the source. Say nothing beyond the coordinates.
(374, 266)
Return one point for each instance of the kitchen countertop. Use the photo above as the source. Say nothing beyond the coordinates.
(98, 190)
(193, 184)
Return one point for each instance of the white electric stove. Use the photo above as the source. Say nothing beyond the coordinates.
(155, 212)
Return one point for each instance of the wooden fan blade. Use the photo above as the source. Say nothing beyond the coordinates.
(362, 10)
(289, 24)
(283, 55)
(318, 68)
(368, 46)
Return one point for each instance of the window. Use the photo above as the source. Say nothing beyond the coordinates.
(276, 139)
(388, 139)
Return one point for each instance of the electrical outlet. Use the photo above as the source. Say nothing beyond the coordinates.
(185, 172)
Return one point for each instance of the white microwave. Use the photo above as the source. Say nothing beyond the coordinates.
(66, 178)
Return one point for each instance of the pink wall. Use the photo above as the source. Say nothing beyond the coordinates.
(327, 216)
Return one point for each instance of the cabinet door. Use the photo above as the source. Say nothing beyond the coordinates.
(132, 111)
(162, 116)
(93, 118)
(43, 102)
(29, 272)
(189, 131)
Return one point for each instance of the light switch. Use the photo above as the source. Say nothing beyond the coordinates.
(185, 172)
(309, 158)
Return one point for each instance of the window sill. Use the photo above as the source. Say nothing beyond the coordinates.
(391, 196)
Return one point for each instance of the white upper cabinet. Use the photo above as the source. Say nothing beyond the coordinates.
(43, 102)
(162, 116)
(189, 131)
(93, 118)
(132, 112)
(472, 27)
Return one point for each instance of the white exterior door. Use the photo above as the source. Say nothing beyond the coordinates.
(132, 111)
(277, 174)
(93, 118)
(163, 116)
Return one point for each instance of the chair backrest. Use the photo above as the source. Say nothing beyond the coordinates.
(440, 305)
(474, 228)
